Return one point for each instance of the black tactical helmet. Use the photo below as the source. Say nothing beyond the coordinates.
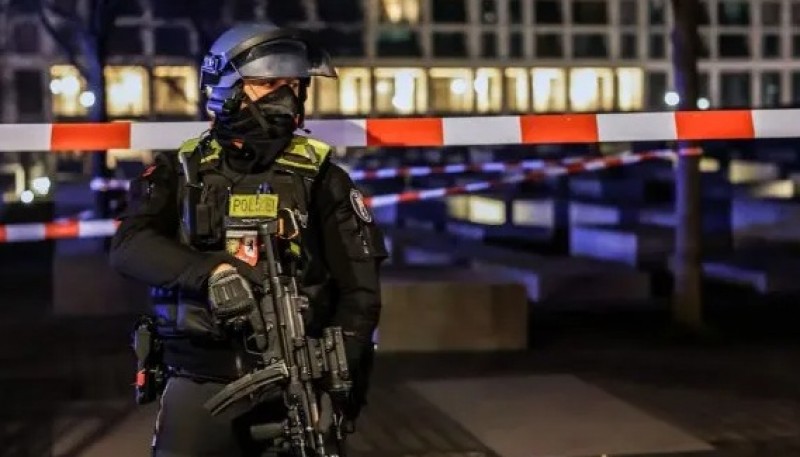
(261, 50)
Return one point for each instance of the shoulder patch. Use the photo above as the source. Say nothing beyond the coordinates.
(305, 153)
(359, 207)
(189, 146)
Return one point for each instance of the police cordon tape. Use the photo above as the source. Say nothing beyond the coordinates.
(70, 229)
(105, 184)
(441, 131)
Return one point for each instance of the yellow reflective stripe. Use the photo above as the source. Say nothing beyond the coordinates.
(215, 150)
(295, 249)
(189, 146)
(290, 163)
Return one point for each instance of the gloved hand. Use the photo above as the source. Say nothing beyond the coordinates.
(360, 354)
(230, 295)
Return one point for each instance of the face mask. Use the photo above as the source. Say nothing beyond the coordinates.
(270, 118)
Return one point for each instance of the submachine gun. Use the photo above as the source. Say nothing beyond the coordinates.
(292, 364)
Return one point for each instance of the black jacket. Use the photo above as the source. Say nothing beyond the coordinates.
(346, 250)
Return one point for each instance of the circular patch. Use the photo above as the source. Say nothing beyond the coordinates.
(361, 210)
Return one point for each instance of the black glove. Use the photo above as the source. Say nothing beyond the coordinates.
(230, 295)
(360, 354)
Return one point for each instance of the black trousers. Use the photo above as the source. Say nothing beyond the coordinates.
(185, 429)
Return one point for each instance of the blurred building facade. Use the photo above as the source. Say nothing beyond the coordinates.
(423, 57)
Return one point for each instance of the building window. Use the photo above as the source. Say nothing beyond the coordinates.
(400, 90)
(341, 11)
(657, 46)
(629, 46)
(451, 90)
(515, 14)
(343, 43)
(126, 41)
(656, 88)
(127, 91)
(629, 12)
(172, 41)
(397, 11)
(355, 93)
(795, 13)
(131, 8)
(449, 44)
(68, 87)
(398, 42)
(25, 38)
(549, 89)
(630, 89)
(771, 45)
(591, 89)
(703, 49)
(795, 45)
(731, 45)
(703, 16)
(488, 12)
(796, 89)
(28, 87)
(282, 12)
(549, 45)
(590, 45)
(548, 12)
(656, 11)
(770, 89)
(590, 12)
(488, 90)
(735, 90)
(449, 11)
(175, 90)
(517, 49)
(770, 13)
(488, 44)
(517, 90)
(733, 12)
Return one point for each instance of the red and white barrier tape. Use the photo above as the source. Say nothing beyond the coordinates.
(564, 169)
(444, 131)
(103, 184)
(103, 228)
(69, 229)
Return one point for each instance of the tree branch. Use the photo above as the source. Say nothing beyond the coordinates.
(70, 53)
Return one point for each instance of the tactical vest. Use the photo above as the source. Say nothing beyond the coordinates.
(207, 185)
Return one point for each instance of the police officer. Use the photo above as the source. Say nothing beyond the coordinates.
(173, 237)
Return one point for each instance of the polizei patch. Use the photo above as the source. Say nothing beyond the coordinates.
(360, 208)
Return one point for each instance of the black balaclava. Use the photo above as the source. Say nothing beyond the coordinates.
(264, 127)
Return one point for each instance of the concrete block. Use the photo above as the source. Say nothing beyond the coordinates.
(771, 220)
(451, 310)
(632, 246)
(748, 171)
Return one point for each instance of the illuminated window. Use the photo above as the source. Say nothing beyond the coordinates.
(396, 11)
(517, 90)
(127, 90)
(355, 96)
(400, 90)
(452, 90)
(549, 89)
(488, 90)
(349, 94)
(630, 89)
(591, 89)
(175, 90)
(68, 87)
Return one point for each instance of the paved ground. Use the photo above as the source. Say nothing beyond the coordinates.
(736, 389)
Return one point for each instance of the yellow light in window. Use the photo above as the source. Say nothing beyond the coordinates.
(488, 90)
(401, 10)
(127, 89)
(403, 98)
(400, 90)
(517, 89)
(630, 88)
(591, 89)
(549, 89)
(355, 95)
(175, 90)
(488, 211)
(66, 86)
